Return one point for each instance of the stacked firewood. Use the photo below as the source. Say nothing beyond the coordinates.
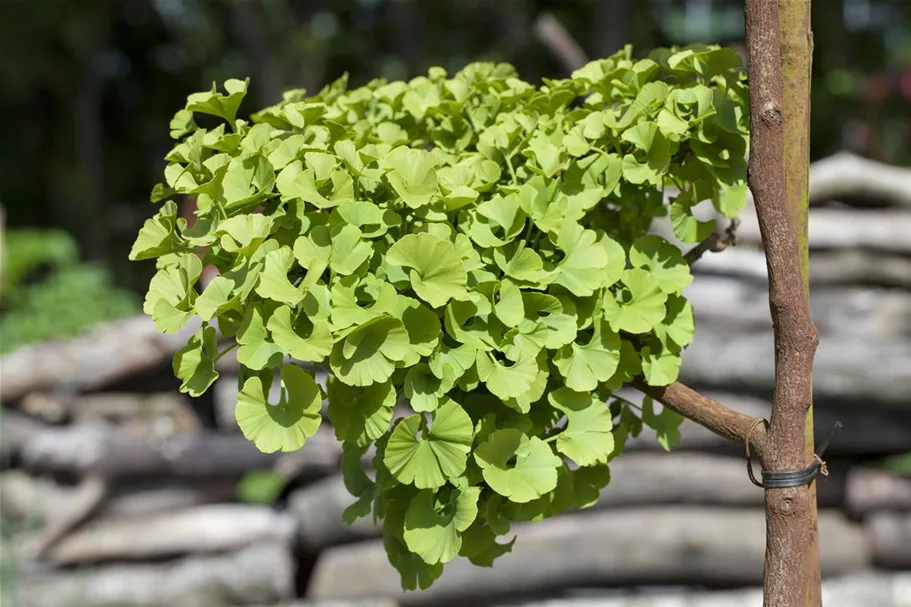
(116, 490)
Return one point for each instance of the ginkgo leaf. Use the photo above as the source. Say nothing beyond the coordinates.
(587, 438)
(480, 546)
(731, 200)
(521, 264)
(437, 273)
(653, 147)
(687, 227)
(243, 233)
(349, 251)
(582, 268)
(411, 174)
(368, 354)
(273, 281)
(287, 424)
(433, 528)
(356, 301)
(300, 337)
(510, 307)
(156, 237)
(170, 298)
(194, 364)
(219, 104)
(616, 260)
(428, 456)
(423, 389)
(660, 367)
(449, 363)
(638, 307)
(516, 466)
(585, 366)
(422, 325)
(257, 350)
(666, 424)
(506, 381)
(663, 260)
(412, 569)
(677, 329)
(360, 415)
(215, 299)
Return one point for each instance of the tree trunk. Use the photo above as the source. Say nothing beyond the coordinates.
(791, 577)
(796, 57)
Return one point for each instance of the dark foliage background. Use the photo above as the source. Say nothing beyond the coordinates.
(90, 85)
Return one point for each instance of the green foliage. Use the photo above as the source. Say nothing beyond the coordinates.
(48, 293)
(473, 245)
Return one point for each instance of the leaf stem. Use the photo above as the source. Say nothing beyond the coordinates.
(551, 439)
(225, 351)
(512, 171)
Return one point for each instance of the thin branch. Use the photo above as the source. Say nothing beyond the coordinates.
(551, 33)
(708, 413)
(715, 243)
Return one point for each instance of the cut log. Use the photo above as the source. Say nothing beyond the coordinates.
(318, 509)
(870, 490)
(100, 357)
(224, 393)
(845, 176)
(864, 589)
(211, 528)
(261, 573)
(23, 496)
(845, 369)
(886, 433)
(890, 535)
(145, 497)
(873, 314)
(637, 479)
(86, 449)
(656, 545)
(851, 267)
(881, 230)
(148, 415)
(347, 603)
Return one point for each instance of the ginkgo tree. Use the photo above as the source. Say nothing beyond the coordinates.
(473, 247)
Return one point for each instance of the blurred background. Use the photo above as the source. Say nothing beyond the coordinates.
(118, 491)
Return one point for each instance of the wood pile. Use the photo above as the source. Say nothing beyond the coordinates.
(116, 490)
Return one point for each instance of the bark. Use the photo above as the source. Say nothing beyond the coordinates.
(709, 413)
(614, 547)
(791, 578)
